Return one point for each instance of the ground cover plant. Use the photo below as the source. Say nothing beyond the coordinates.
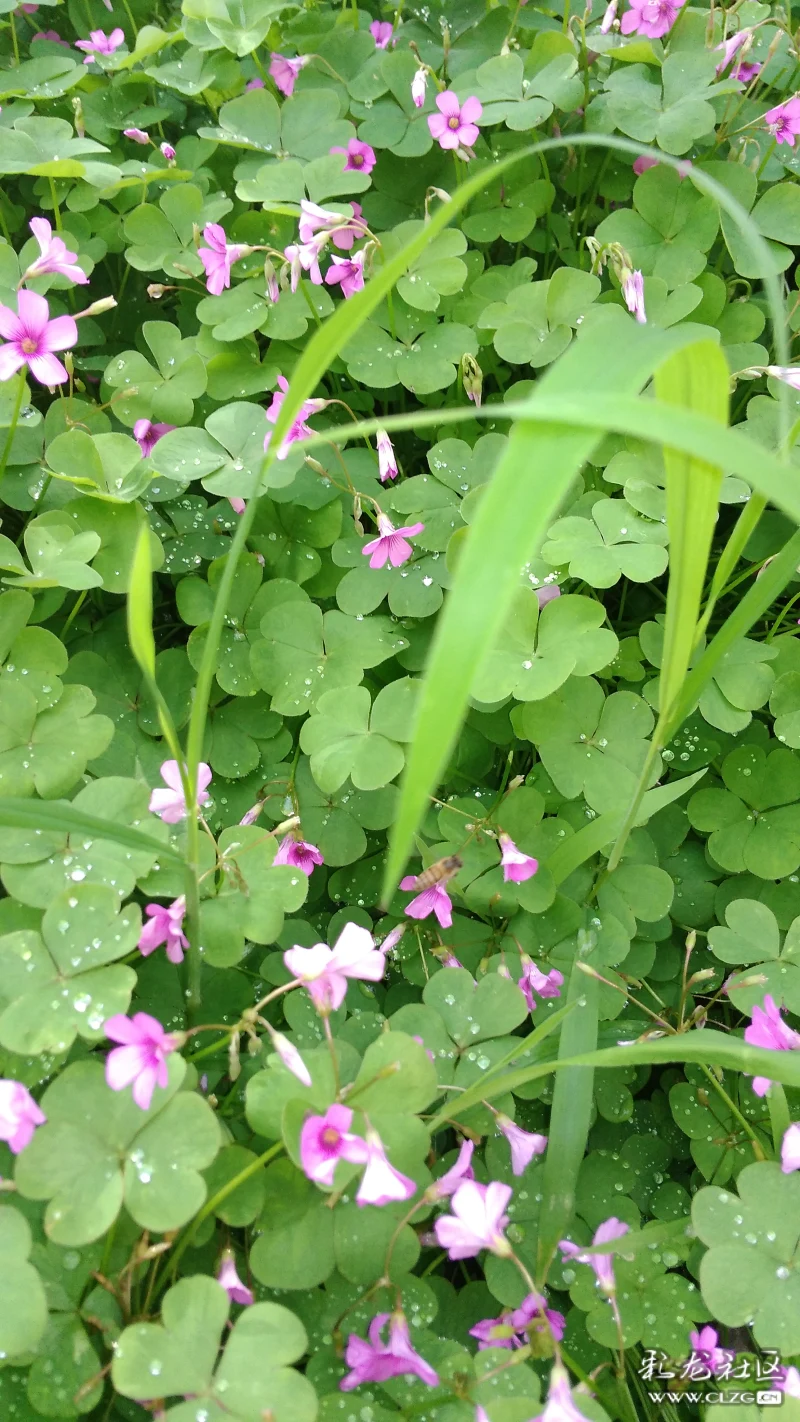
(399, 711)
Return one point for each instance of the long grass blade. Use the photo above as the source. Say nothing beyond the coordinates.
(58, 818)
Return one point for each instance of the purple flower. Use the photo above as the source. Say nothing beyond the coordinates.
(381, 1184)
(314, 218)
(730, 48)
(218, 257)
(165, 926)
(100, 43)
(455, 124)
(433, 900)
(602, 1264)
(54, 256)
(609, 17)
(170, 804)
(169, 153)
(510, 1330)
(448, 1183)
(633, 292)
(534, 980)
(548, 593)
(391, 545)
(229, 1279)
(517, 867)
(789, 374)
(769, 1030)
(744, 71)
(705, 1343)
(299, 854)
(298, 429)
(559, 1406)
(387, 464)
(285, 71)
(53, 36)
(529, 1315)
(377, 1361)
(360, 157)
(641, 165)
(325, 1140)
(524, 1144)
(239, 506)
(789, 1383)
(255, 83)
(304, 257)
(290, 1056)
(477, 1221)
(354, 228)
(32, 338)
(651, 18)
(137, 134)
(418, 86)
(348, 271)
(19, 1115)
(147, 435)
(324, 971)
(381, 31)
(142, 1058)
(790, 1150)
(783, 121)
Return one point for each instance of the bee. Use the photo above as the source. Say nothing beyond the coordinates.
(439, 873)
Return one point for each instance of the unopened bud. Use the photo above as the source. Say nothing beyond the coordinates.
(155, 290)
(69, 364)
(701, 977)
(289, 1055)
(234, 1065)
(752, 980)
(253, 1046)
(515, 782)
(316, 466)
(106, 303)
(471, 378)
(77, 109)
(691, 939)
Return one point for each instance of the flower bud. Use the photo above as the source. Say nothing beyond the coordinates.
(155, 290)
(471, 378)
(106, 303)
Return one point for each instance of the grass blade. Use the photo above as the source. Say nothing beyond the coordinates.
(56, 817)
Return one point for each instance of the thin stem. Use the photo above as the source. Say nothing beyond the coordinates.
(758, 1149)
(18, 398)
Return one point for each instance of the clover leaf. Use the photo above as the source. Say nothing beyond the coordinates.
(179, 1356)
(538, 651)
(344, 739)
(614, 541)
(438, 272)
(57, 553)
(720, 1147)
(23, 1304)
(46, 752)
(535, 323)
(472, 1012)
(749, 1274)
(752, 937)
(671, 229)
(99, 1150)
(422, 354)
(335, 821)
(57, 984)
(108, 466)
(164, 392)
(753, 825)
(162, 238)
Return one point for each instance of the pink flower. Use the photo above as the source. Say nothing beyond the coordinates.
(313, 218)
(298, 429)
(387, 464)
(32, 338)
(769, 1030)
(744, 71)
(290, 1056)
(165, 926)
(360, 157)
(353, 228)
(559, 1406)
(789, 374)
(433, 900)
(19, 1115)
(239, 506)
(609, 17)
(100, 43)
(170, 804)
(305, 257)
(633, 292)
(730, 48)
(510, 1330)
(391, 545)
(602, 1264)
(705, 1343)
(325, 1140)
(790, 1150)
(381, 31)
(142, 1059)
(285, 71)
(350, 272)
(534, 980)
(477, 1221)
(651, 18)
(53, 36)
(137, 134)
(546, 594)
(530, 1312)
(169, 153)
(147, 435)
(783, 121)
(377, 1361)
(255, 83)
(381, 1183)
(524, 1144)
(517, 867)
(229, 1279)
(299, 854)
(789, 1383)
(641, 165)
(54, 255)
(448, 1183)
(218, 257)
(324, 971)
(418, 86)
(455, 124)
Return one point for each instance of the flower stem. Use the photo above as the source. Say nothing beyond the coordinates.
(18, 398)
